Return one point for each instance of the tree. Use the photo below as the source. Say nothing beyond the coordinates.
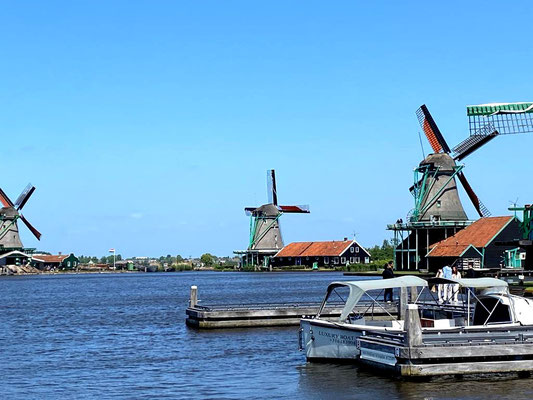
(207, 259)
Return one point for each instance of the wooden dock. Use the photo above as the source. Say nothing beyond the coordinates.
(263, 315)
(460, 351)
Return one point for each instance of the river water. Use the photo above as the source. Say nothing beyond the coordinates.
(124, 336)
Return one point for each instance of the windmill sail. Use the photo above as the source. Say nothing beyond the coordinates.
(506, 118)
(24, 196)
(5, 199)
(272, 191)
(432, 132)
(478, 205)
(35, 232)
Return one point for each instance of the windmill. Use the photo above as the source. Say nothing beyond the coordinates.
(435, 188)
(9, 214)
(265, 233)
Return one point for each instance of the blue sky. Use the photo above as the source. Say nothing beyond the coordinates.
(148, 126)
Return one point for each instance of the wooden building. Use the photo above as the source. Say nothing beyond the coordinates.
(60, 261)
(331, 253)
(476, 245)
(14, 257)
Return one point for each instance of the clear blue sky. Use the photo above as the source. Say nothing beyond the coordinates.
(148, 126)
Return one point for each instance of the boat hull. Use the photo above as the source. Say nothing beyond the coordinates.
(326, 341)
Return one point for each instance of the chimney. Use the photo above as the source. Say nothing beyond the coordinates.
(345, 239)
(59, 253)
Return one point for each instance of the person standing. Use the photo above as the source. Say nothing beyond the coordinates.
(387, 274)
(455, 287)
(440, 287)
(447, 274)
(470, 273)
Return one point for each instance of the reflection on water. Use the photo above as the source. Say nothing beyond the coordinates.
(124, 336)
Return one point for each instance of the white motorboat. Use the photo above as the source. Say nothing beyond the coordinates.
(336, 339)
(485, 302)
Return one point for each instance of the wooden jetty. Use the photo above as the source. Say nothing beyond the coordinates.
(458, 351)
(262, 314)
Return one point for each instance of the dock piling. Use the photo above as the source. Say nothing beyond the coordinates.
(193, 301)
(402, 304)
(413, 329)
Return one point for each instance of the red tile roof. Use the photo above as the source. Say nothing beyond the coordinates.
(312, 249)
(50, 258)
(479, 235)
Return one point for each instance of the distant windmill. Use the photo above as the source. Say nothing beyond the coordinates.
(265, 233)
(435, 189)
(9, 214)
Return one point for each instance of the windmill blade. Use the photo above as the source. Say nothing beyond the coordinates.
(272, 191)
(506, 118)
(472, 143)
(294, 209)
(35, 232)
(5, 200)
(24, 196)
(478, 205)
(435, 138)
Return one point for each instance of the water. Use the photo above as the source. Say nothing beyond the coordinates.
(124, 336)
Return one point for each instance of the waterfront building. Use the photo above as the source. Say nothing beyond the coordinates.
(59, 261)
(478, 245)
(322, 254)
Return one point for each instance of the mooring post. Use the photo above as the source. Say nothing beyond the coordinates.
(194, 296)
(413, 329)
(403, 302)
(414, 293)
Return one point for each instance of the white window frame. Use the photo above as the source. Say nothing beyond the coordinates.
(352, 260)
(326, 260)
(367, 260)
(357, 260)
(357, 249)
(343, 260)
(351, 250)
(336, 260)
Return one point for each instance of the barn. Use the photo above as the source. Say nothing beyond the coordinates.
(476, 245)
(324, 254)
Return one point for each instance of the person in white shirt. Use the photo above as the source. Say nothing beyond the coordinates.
(455, 288)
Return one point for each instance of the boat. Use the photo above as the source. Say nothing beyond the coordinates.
(325, 339)
(494, 336)
(485, 304)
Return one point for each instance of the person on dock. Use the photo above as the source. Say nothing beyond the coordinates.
(470, 273)
(455, 287)
(440, 287)
(447, 274)
(387, 274)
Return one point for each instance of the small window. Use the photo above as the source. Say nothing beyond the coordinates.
(357, 249)
(336, 260)
(367, 260)
(351, 250)
(352, 260)
(357, 260)
(343, 260)
(326, 260)
(68, 263)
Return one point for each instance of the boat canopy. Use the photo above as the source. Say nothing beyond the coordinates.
(358, 288)
(479, 283)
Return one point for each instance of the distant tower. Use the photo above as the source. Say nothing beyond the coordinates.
(265, 234)
(9, 214)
